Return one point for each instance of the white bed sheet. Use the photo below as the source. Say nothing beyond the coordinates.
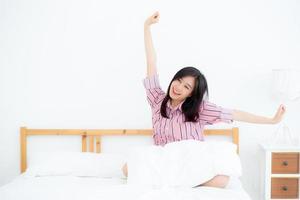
(92, 188)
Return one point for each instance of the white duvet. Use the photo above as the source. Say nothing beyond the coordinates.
(89, 188)
(154, 174)
(186, 163)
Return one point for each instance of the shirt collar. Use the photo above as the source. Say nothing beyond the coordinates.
(179, 106)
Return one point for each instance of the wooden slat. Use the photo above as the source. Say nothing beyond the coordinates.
(124, 131)
(91, 145)
(55, 132)
(84, 144)
(226, 132)
(23, 149)
(98, 144)
(89, 132)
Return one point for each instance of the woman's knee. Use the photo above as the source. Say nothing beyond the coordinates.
(219, 181)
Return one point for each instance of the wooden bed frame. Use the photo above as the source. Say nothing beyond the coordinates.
(94, 135)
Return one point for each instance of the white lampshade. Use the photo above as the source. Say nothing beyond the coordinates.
(286, 84)
(285, 87)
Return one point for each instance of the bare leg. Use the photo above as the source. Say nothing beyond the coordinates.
(219, 181)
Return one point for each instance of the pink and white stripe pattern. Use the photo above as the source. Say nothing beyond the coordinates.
(175, 128)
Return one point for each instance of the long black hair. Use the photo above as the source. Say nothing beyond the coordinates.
(190, 107)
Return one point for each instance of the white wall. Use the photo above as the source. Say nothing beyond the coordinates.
(79, 64)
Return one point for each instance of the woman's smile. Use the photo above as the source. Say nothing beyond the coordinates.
(174, 92)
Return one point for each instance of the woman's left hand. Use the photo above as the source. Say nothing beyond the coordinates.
(279, 114)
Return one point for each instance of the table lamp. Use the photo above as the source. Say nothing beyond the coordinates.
(285, 88)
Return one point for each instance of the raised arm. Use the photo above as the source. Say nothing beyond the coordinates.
(251, 118)
(149, 48)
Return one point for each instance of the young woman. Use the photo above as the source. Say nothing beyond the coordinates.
(183, 111)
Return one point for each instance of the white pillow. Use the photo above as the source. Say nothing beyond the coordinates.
(106, 165)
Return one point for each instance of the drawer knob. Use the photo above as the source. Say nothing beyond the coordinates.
(285, 163)
(284, 188)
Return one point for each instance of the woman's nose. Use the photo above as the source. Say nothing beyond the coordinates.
(178, 87)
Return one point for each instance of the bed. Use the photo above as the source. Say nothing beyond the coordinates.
(70, 186)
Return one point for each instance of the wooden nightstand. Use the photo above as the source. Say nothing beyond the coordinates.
(281, 172)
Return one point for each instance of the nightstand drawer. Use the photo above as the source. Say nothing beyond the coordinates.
(285, 163)
(284, 188)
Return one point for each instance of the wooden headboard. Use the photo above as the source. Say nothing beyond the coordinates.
(93, 137)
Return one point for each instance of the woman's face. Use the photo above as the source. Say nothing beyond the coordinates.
(182, 88)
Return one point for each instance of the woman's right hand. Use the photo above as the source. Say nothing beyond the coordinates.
(152, 19)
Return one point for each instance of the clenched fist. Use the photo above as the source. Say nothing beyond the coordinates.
(152, 19)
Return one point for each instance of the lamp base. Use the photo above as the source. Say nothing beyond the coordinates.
(283, 137)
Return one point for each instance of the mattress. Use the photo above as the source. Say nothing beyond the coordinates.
(73, 188)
